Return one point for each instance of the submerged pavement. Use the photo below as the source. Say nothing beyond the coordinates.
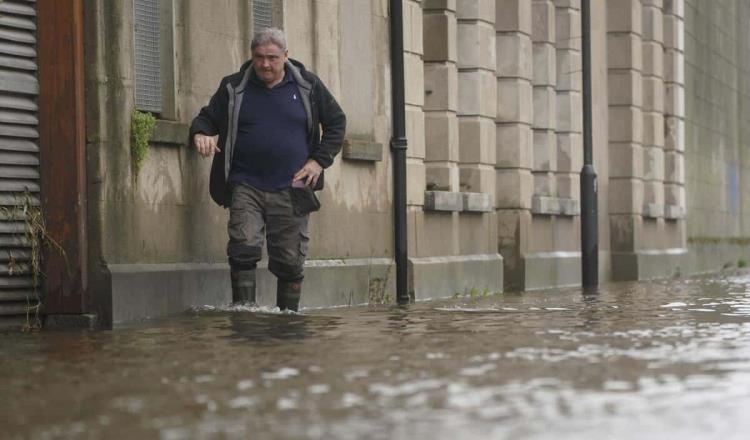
(657, 360)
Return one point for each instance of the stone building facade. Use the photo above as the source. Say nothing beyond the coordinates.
(494, 128)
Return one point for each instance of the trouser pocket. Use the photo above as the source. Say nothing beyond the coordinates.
(304, 201)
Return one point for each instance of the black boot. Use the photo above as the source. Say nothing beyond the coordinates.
(243, 287)
(288, 294)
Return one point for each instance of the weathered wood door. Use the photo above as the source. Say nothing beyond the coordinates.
(42, 146)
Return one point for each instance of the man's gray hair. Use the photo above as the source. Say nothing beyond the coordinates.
(269, 36)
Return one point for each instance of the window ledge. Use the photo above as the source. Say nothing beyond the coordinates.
(170, 133)
(543, 205)
(449, 201)
(362, 150)
(653, 210)
(674, 212)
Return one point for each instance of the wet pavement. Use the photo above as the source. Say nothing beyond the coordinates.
(658, 360)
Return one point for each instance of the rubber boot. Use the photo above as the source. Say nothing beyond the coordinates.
(288, 294)
(243, 287)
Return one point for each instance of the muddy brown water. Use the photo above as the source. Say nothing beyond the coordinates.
(656, 360)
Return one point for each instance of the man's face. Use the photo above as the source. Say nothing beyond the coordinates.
(268, 63)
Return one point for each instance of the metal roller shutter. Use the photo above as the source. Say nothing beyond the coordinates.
(19, 155)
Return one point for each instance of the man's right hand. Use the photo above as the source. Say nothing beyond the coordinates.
(206, 145)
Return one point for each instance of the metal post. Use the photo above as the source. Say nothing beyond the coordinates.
(589, 228)
(398, 150)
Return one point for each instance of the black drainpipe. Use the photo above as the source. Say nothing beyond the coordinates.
(589, 228)
(398, 151)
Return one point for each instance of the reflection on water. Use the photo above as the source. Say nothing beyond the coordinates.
(642, 360)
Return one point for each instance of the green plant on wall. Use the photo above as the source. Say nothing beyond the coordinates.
(142, 128)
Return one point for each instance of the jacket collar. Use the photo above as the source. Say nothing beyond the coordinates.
(292, 66)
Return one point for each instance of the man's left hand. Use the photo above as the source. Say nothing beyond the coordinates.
(310, 173)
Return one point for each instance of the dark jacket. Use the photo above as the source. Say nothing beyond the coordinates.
(221, 114)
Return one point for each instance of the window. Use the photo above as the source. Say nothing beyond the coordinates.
(153, 29)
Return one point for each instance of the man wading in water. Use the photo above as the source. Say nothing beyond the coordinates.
(263, 127)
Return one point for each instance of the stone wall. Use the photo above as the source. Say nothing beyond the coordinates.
(494, 128)
(717, 75)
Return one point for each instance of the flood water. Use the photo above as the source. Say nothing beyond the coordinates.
(658, 360)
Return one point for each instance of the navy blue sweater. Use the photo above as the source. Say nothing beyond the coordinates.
(271, 142)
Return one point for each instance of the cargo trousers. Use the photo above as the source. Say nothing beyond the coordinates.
(256, 214)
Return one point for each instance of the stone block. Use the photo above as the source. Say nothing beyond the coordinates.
(569, 152)
(513, 16)
(476, 10)
(414, 80)
(653, 193)
(653, 59)
(653, 3)
(624, 16)
(443, 201)
(674, 167)
(673, 212)
(545, 150)
(514, 188)
(625, 160)
(653, 210)
(477, 202)
(625, 87)
(514, 100)
(625, 124)
(625, 196)
(441, 136)
(477, 178)
(140, 291)
(477, 92)
(653, 129)
(653, 94)
(545, 64)
(674, 99)
(653, 163)
(674, 7)
(415, 175)
(568, 187)
(440, 86)
(545, 184)
(674, 66)
(476, 139)
(674, 194)
(416, 34)
(514, 55)
(624, 51)
(653, 23)
(439, 5)
(543, 21)
(544, 205)
(569, 206)
(476, 45)
(514, 146)
(444, 277)
(567, 29)
(571, 4)
(674, 133)
(545, 108)
(569, 112)
(440, 176)
(547, 270)
(568, 70)
(415, 132)
(439, 40)
(674, 33)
